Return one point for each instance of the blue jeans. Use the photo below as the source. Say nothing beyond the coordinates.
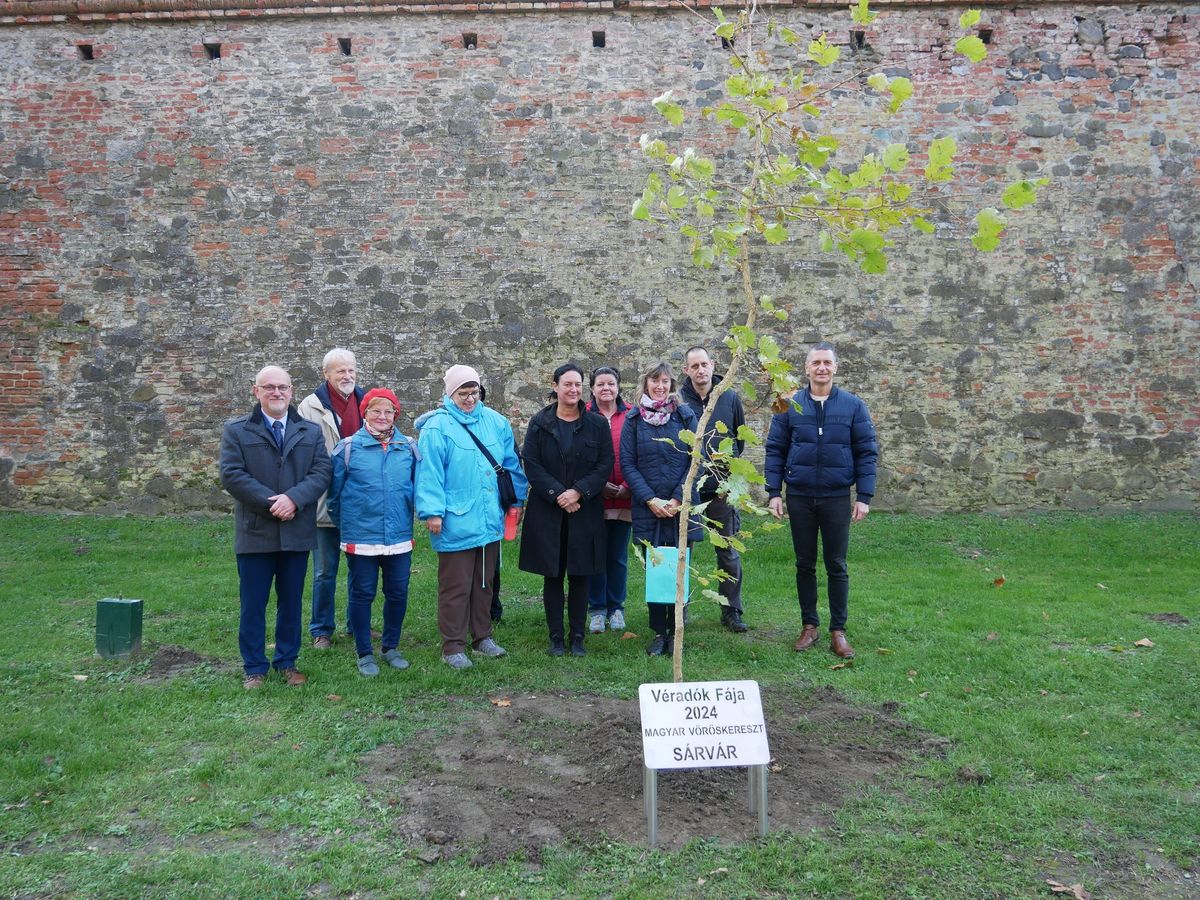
(828, 517)
(606, 590)
(364, 580)
(325, 569)
(256, 572)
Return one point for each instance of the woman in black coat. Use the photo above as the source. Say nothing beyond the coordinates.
(568, 455)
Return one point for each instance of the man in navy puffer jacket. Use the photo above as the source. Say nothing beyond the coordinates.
(822, 445)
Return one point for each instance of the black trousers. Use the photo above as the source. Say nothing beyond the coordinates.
(828, 518)
(576, 596)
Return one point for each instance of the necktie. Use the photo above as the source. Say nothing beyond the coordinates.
(277, 430)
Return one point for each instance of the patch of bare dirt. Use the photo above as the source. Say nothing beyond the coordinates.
(1169, 618)
(550, 768)
(170, 661)
(1134, 873)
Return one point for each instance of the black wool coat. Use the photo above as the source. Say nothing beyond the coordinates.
(550, 473)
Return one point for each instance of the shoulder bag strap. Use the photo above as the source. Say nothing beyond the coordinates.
(496, 467)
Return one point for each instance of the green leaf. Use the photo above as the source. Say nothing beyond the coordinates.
(901, 89)
(789, 37)
(704, 257)
(768, 348)
(704, 210)
(677, 197)
(867, 241)
(737, 85)
(941, 155)
(989, 224)
(826, 241)
(668, 109)
(869, 172)
(687, 436)
(874, 263)
(701, 167)
(781, 315)
(725, 30)
(718, 14)
(775, 233)
(968, 19)
(897, 192)
(812, 109)
(746, 433)
(971, 47)
(879, 81)
(750, 392)
(895, 157)
(822, 52)
(640, 211)
(1020, 194)
(923, 225)
(732, 116)
(861, 14)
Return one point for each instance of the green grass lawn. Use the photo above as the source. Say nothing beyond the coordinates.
(1074, 752)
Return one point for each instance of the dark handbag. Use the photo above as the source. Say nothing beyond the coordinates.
(504, 482)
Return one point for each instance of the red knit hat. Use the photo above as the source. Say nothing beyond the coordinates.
(376, 394)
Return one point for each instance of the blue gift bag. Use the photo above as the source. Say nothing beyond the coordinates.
(660, 573)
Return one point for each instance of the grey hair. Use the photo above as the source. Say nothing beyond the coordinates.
(822, 345)
(334, 355)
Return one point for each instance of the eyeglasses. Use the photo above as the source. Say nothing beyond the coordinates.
(275, 388)
(466, 395)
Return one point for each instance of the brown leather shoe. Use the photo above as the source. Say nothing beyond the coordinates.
(254, 682)
(839, 645)
(322, 642)
(808, 637)
(293, 677)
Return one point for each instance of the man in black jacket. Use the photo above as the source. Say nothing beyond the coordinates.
(274, 465)
(696, 390)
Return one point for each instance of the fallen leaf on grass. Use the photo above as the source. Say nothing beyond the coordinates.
(967, 689)
(1144, 642)
(999, 582)
(191, 800)
(334, 697)
(1103, 587)
(846, 665)
(80, 677)
(1075, 890)
(1136, 714)
(991, 636)
(882, 651)
(12, 806)
(1044, 693)
(924, 695)
(967, 775)
(628, 636)
(911, 673)
(500, 701)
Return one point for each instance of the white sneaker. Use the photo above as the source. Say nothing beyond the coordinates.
(596, 625)
(457, 661)
(488, 647)
(616, 621)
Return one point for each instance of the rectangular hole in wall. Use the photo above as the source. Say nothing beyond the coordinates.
(985, 35)
(86, 51)
(726, 44)
(344, 46)
(598, 39)
(858, 40)
(470, 40)
(213, 50)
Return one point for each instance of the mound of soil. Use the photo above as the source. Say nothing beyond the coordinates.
(170, 661)
(548, 769)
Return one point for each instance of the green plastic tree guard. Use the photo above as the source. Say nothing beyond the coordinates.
(118, 627)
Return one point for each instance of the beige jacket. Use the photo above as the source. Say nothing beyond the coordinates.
(312, 409)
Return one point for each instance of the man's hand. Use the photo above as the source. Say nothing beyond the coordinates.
(860, 511)
(775, 505)
(282, 507)
(434, 524)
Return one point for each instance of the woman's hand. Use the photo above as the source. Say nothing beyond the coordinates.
(568, 498)
(661, 508)
(434, 524)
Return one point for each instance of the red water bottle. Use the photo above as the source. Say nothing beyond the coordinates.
(510, 523)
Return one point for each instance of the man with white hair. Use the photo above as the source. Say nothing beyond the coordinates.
(275, 466)
(334, 407)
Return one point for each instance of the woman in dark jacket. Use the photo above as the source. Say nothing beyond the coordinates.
(568, 456)
(655, 470)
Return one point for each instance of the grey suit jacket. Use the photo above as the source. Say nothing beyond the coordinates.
(253, 469)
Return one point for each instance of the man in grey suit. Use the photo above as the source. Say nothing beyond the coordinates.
(275, 466)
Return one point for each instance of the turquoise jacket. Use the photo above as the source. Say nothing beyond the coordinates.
(456, 482)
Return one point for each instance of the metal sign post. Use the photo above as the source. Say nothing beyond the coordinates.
(703, 724)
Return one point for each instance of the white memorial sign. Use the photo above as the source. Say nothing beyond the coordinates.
(702, 724)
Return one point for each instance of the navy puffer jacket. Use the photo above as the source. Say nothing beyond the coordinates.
(656, 468)
(821, 449)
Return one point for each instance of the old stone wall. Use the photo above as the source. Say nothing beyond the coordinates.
(171, 222)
